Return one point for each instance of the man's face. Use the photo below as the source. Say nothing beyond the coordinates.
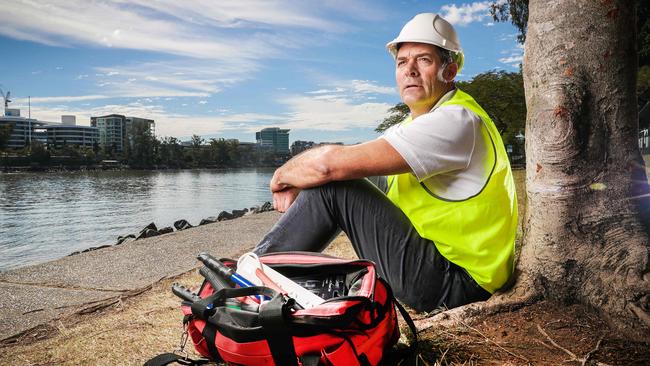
(416, 71)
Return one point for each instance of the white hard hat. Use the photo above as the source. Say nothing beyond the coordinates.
(432, 29)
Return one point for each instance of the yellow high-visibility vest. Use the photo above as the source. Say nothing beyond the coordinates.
(477, 233)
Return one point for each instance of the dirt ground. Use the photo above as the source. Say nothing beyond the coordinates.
(132, 330)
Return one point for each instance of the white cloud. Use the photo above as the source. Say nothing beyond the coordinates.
(334, 114)
(466, 13)
(352, 88)
(327, 91)
(366, 86)
(507, 37)
(200, 29)
(512, 59)
(489, 24)
(319, 112)
(61, 99)
(173, 78)
(203, 102)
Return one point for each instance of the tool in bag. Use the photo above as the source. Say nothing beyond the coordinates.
(347, 318)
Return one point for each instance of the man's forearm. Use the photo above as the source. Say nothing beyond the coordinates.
(324, 164)
(309, 169)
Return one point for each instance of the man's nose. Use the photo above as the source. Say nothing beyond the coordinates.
(411, 69)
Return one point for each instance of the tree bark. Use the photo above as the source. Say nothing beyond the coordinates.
(586, 226)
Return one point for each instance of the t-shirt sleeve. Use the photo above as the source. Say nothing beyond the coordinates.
(436, 142)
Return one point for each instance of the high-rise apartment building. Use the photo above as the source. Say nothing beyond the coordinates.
(116, 130)
(274, 138)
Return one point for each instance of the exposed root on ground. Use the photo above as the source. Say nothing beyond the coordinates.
(583, 360)
(509, 301)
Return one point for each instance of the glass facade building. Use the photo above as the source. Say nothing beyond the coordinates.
(274, 138)
(62, 135)
(24, 130)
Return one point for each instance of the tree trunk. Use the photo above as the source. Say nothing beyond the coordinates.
(586, 226)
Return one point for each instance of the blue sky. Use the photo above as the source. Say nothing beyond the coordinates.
(227, 68)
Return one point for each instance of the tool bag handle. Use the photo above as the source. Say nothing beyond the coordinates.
(273, 316)
(205, 308)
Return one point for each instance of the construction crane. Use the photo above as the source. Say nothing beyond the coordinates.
(6, 99)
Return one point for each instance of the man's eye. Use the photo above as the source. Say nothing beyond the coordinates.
(424, 60)
(400, 62)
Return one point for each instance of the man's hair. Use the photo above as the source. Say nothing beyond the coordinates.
(446, 56)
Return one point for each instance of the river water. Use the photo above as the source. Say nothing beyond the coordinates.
(48, 216)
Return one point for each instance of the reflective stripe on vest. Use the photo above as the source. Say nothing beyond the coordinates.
(477, 233)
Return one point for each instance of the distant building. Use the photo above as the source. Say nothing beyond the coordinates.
(24, 130)
(112, 131)
(299, 146)
(115, 130)
(68, 133)
(274, 138)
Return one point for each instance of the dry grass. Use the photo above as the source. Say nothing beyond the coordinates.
(128, 333)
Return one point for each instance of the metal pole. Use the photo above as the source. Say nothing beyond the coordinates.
(29, 108)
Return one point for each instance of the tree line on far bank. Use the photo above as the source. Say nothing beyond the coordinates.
(142, 151)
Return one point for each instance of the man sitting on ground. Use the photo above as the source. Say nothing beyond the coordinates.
(441, 226)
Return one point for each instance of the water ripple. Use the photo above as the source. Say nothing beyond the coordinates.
(47, 216)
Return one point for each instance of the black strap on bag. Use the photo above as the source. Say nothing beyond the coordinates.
(274, 322)
(407, 356)
(169, 358)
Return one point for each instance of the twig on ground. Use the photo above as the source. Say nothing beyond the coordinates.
(442, 357)
(493, 342)
(573, 355)
(588, 355)
(583, 360)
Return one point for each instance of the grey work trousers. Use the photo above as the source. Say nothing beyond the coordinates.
(379, 231)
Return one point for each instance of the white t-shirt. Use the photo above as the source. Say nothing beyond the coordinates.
(448, 150)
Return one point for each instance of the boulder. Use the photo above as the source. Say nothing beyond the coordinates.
(238, 213)
(151, 226)
(182, 225)
(208, 220)
(267, 206)
(166, 230)
(121, 239)
(95, 248)
(147, 233)
(127, 239)
(224, 215)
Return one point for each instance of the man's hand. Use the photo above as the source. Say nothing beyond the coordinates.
(282, 200)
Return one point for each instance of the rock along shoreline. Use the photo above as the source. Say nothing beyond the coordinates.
(152, 230)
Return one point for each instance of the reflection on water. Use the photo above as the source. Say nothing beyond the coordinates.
(47, 216)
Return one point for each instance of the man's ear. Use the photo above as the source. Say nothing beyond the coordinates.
(450, 71)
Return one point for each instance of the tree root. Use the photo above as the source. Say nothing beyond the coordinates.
(496, 304)
(583, 360)
(640, 313)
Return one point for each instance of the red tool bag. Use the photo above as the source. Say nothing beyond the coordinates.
(356, 325)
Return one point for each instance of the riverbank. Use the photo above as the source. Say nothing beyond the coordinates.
(34, 296)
